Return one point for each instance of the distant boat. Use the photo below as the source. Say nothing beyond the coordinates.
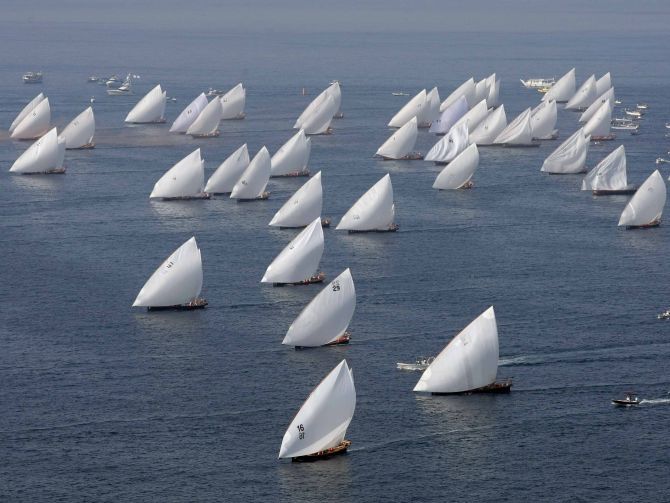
(636, 114)
(114, 81)
(518, 133)
(206, 124)
(413, 108)
(45, 156)
(489, 129)
(585, 95)
(35, 123)
(125, 88)
(251, 184)
(150, 109)
(93, 79)
(466, 90)
(303, 207)
(609, 176)
(373, 212)
(78, 134)
(298, 262)
(458, 173)
(225, 177)
(593, 107)
(570, 156)
(452, 144)
(189, 115)
(538, 83)
(400, 94)
(421, 363)
(334, 92)
(318, 429)
(543, 121)
(622, 124)
(661, 160)
(469, 363)
(184, 180)
(642, 106)
(449, 116)
(599, 125)
(324, 321)
(214, 92)
(399, 146)
(177, 282)
(233, 102)
(32, 78)
(645, 208)
(629, 400)
(563, 89)
(292, 157)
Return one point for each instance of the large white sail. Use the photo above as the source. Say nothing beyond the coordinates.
(481, 90)
(293, 156)
(177, 281)
(333, 91)
(468, 362)
(493, 98)
(319, 121)
(254, 179)
(300, 259)
(150, 108)
(489, 129)
(327, 316)
(646, 206)
(609, 174)
(518, 132)
(466, 89)
(401, 143)
(563, 89)
(232, 103)
(35, 123)
(599, 125)
(412, 108)
(79, 133)
(207, 123)
(450, 145)
(543, 120)
(450, 116)
(570, 156)
(186, 179)
(459, 171)
(26, 110)
(593, 107)
(474, 117)
(603, 83)
(229, 172)
(374, 210)
(322, 421)
(44, 156)
(584, 96)
(303, 207)
(431, 110)
(189, 114)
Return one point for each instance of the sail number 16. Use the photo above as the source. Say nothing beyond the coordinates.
(301, 430)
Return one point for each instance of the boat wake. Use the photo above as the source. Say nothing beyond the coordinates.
(655, 401)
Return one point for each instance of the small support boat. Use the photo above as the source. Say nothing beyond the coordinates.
(538, 83)
(32, 78)
(421, 363)
(629, 400)
(664, 315)
(339, 449)
(317, 278)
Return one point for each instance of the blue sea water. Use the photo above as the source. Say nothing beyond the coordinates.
(101, 402)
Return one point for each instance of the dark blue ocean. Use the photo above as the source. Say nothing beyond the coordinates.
(102, 402)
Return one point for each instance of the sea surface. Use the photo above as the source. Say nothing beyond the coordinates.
(103, 402)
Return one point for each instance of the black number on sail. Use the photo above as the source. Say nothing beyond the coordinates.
(301, 429)
(336, 286)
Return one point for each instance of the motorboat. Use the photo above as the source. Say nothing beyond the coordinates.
(400, 94)
(32, 78)
(215, 92)
(660, 160)
(93, 79)
(538, 83)
(664, 315)
(624, 124)
(114, 81)
(637, 114)
(629, 399)
(125, 88)
(421, 363)
(642, 106)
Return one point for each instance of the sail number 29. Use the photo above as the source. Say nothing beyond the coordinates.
(301, 430)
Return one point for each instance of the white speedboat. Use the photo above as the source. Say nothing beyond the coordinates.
(32, 78)
(629, 399)
(114, 81)
(421, 363)
(538, 83)
(664, 315)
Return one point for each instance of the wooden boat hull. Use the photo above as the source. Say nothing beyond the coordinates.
(293, 174)
(88, 146)
(627, 190)
(521, 145)
(609, 137)
(317, 278)
(645, 226)
(338, 450)
(262, 197)
(413, 156)
(197, 304)
(392, 228)
(343, 339)
(325, 223)
(204, 195)
(210, 135)
(58, 171)
(236, 118)
(496, 387)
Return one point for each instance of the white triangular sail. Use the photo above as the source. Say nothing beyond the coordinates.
(303, 207)
(474, 117)
(35, 123)
(318, 122)
(189, 114)
(327, 316)
(518, 132)
(300, 259)
(374, 210)
(584, 96)
(207, 123)
(79, 132)
(412, 108)
(401, 143)
(186, 179)
(646, 205)
(570, 156)
(293, 156)
(26, 110)
(481, 90)
(333, 91)
(609, 174)
(603, 83)
(229, 172)
(255, 177)
(593, 107)
(431, 110)
(44, 156)
(543, 120)
(563, 89)
(232, 103)
(466, 89)
(450, 116)
(322, 421)
(177, 281)
(489, 129)
(459, 171)
(450, 145)
(599, 125)
(493, 98)
(150, 108)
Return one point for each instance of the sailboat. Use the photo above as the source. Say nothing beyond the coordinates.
(298, 261)
(177, 282)
(318, 122)
(150, 109)
(469, 363)
(466, 89)
(645, 208)
(373, 212)
(318, 429)
(489, 129)
(481, 90)
(449, 116)
(603, 83)
(518, 133)
(229, 172)
(292, 157)
(189, 115)
(609, 176)
(584, 96)
(26, 110)
(569, 157)
(413, 108)
(251, 185)
(431, 110)
(303, 206)
(206, 125)
(599, 126)
(232, 103)
(325, 320)
(457, 174)
(452, 144)
(45, 156)
(35, 122)
(184, 180)
(78, 134)
(333, 91)
(474, 116)
(593, 107)
(563, 89)
(543, 121)
(399, 146)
